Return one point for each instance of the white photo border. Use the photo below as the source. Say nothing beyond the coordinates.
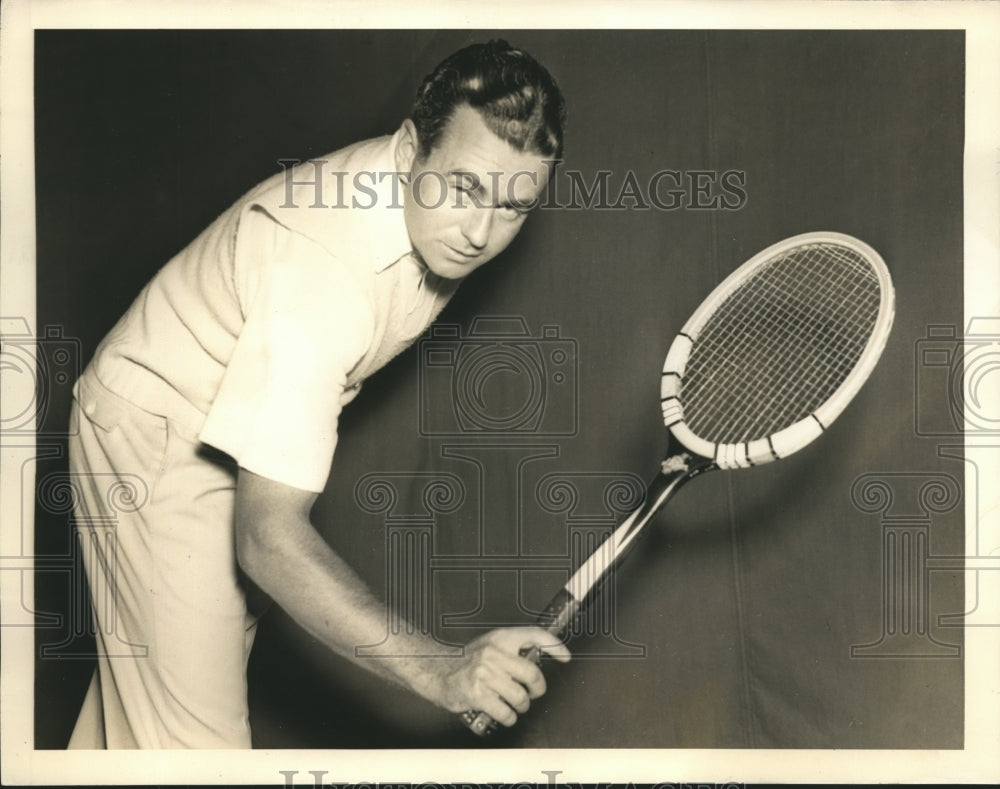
(978, 761)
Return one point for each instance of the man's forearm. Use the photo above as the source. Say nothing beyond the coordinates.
(327, 598)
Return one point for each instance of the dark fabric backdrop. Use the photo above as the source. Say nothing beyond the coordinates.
(733, 626)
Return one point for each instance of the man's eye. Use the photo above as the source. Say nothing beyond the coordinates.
(513, 212)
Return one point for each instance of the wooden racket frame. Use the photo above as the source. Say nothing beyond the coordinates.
(794, 437)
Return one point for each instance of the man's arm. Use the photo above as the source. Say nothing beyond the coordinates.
(281, 551)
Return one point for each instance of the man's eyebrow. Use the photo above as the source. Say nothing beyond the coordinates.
(470, 178)
(520, 205)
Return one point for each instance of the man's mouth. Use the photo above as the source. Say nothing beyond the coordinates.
(466, 255)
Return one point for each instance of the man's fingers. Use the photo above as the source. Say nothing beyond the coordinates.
(500, 666)
(515, 640)
(502, 696)
(498, 709)
(528, 675)
(516, 695)
(550, 645)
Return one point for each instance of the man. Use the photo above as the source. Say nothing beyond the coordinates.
(221, 389)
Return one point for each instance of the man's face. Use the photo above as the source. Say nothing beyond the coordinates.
(468, 198)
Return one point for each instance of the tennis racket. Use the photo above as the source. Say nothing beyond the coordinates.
(762, 368)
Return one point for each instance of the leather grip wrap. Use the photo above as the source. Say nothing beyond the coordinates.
(559, 615)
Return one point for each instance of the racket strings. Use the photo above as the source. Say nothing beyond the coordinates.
(782, 310)
(819, 358)
(824, 356)
(729, 349)
(780, 344)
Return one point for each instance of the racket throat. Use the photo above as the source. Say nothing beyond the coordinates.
(676, 464)
(676, 469)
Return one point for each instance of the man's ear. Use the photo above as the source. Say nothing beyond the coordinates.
(407, 147)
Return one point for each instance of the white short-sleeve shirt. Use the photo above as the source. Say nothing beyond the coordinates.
(260, 332)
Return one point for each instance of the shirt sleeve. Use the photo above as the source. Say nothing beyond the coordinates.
(308, 324)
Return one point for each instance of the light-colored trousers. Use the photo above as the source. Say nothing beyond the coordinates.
(154, 510)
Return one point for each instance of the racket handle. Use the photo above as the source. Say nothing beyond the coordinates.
(557, 618)
(480, 723)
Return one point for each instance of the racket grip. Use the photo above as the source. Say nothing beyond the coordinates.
(557, 618)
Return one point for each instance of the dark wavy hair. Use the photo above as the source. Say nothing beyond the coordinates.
(513, 93)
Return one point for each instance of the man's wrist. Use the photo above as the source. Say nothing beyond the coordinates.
(418, 663)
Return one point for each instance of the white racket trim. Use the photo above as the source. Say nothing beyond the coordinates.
(798, 435)
(598, 563)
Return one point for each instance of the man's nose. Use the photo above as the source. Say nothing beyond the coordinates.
(477, 225)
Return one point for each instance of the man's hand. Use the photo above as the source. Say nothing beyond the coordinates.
(493, 677)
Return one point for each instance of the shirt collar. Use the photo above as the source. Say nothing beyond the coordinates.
(387, 233)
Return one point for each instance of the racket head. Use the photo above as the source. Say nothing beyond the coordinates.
(778, 349)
